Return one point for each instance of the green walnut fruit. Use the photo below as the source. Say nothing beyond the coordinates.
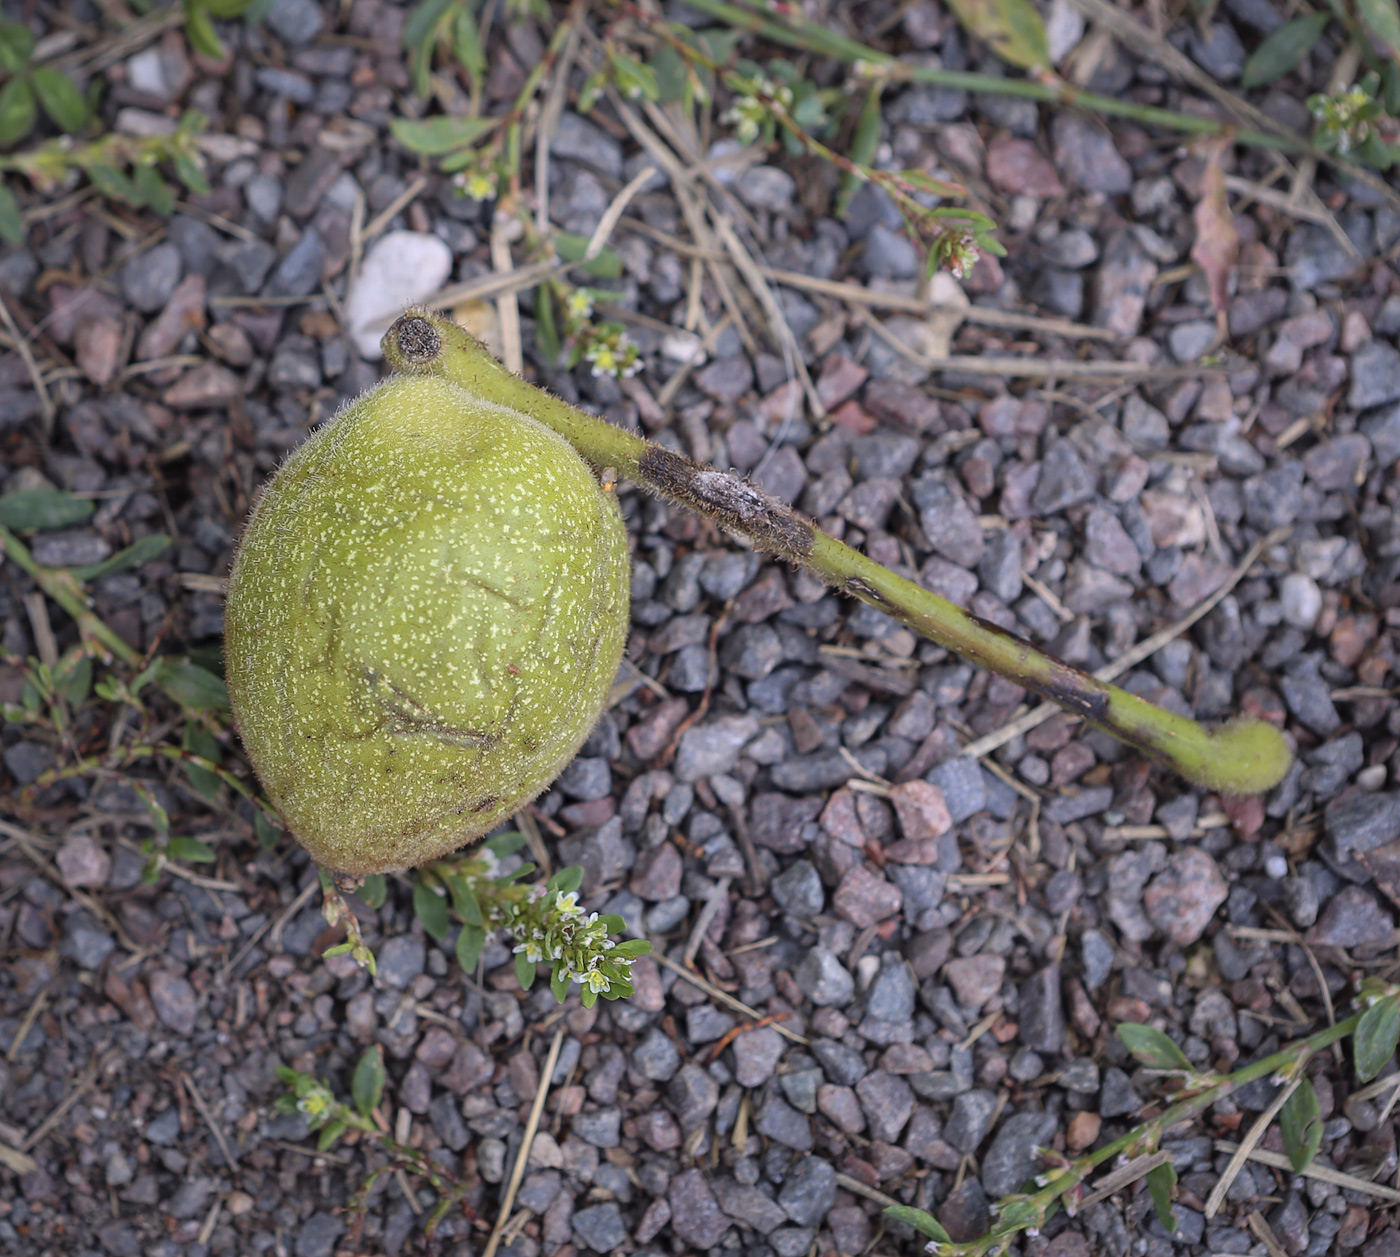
(424, 617)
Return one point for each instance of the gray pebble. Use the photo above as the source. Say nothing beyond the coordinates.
(798, 890)
(656, 1057)
(1012, 1158)
(295, 21)
(70, 547)
(970, 1120)
(577, 139)
(824, 979)
(400, 960)
(808, 1191)
(318, 1235)
(600, 1227)
(150, 277)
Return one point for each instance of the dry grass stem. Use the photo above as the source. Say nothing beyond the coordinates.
(522, 1157)
(723, 997)
(1241, 1154)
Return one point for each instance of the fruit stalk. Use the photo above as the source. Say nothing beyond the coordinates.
(1246, 756)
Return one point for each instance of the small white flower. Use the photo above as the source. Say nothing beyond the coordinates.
(598, 981)
(567, 905)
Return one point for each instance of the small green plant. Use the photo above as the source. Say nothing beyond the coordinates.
(548, 926)
(1356, 121)
(125, 168)
(444, 24)
(200, 16)
(28, 88)
(1375, 1031)
(102, 682)
(330, 1118)
(603, 344)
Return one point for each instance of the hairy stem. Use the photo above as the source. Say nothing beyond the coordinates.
(1244, 757)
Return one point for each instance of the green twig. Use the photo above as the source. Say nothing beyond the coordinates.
(1244, 757)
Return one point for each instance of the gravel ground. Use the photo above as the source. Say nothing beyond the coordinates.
(936, 947)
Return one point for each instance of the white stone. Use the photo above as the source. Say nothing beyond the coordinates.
(1064, 28)
(401, 269)
(683, 347)
(145, 73)
(1302, 601)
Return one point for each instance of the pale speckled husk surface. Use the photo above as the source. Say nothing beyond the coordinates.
(426, 612)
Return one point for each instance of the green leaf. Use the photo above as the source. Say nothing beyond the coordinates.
(566, 881)
(1010, 28)
(671, 73)
(469, 945)
(154, 191)
(424, 21)
(924, 1223)
(73, 678)
(190, 685)
(570, 248)
(1382, 19)
(190, 173)
(204, 744)
(464, 900)
(589, 997)
(466, 44)
(442, 134)
(268, 833)
(1283, 49)
(33, 510)
(431, 909)
(134, 555)
(1152, 1047)
(373, 890)
(1390, 88)
(524, 971)
(367, 1085)
(1300, 1125)
(1376, 1037)
(546, 333)
(612, 923)
(183, 847)
(199, 30)
(60, 98)
(515, 874)
(160, 818)
(559, 982)
(634, 80)
(112, 183)
(593, 87)
(16, 46)
(328, 1136)
(12, 227)
(863, 145)
(501, 845)
(227, 10)
(1160, 1181)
